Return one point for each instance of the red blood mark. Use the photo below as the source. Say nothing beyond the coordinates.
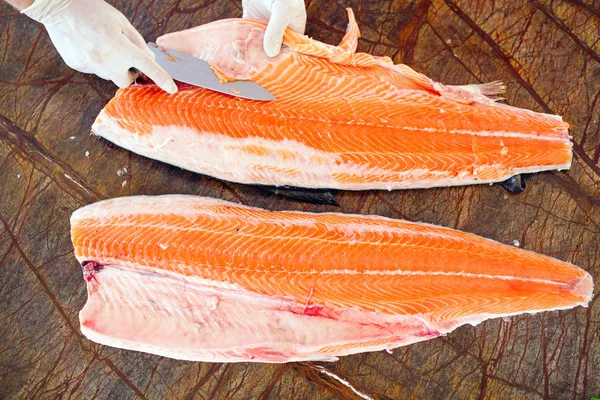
(430, 333)
(314, 311)
(90, 269)
(579, 286)
(310, 295)
(265, 353)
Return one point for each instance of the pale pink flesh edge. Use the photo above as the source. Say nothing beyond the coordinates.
(333, 323)
(582, 286)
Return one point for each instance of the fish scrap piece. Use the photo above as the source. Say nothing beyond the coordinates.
(342, 119)
(201, 279)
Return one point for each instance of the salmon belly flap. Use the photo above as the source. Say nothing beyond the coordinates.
(341, 119)
(201, 279)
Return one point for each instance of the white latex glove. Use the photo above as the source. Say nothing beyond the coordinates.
(94, 37)
(280, 14)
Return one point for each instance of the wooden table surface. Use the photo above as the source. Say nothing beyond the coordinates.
(546, 51)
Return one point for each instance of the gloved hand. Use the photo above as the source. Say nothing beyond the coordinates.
(280, 14)
(93, 37)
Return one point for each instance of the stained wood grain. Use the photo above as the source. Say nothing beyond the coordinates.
(547, 52)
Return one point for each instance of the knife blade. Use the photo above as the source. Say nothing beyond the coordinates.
(197, 72)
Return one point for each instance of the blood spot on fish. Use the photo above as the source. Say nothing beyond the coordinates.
(580, 286)
(313, 311)
(265, 353)
(90, 269)
(430, 333)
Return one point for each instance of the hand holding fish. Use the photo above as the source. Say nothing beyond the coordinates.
(281, 14)
(94, 37)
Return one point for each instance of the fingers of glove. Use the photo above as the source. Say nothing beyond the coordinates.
(104, 74)
(122, 78)
(298, 19)
(150, 67)
(279, 20)
(246, 11)
(132, 34)
(116, 68)
(70, 53)
(255, 9)
(76, 64)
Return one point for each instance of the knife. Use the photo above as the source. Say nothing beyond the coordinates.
(197, 72)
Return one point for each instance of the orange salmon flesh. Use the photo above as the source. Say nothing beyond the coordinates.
(342, 119)
(203, 279)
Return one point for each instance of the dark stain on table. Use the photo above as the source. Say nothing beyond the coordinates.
(547, 53)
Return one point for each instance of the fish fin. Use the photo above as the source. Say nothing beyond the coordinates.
(490, 89)
(345, 54)
(324, 359)
(312, 196)
(350, 40)
(514, 184)
(469, 94)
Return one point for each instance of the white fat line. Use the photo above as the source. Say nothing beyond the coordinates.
(498, 134)
(210, 282)
(502, 134)
(111, 264)
(343, 382)
(428, 273)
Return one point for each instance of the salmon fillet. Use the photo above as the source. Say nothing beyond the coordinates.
(342, 119)
(196, 278)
